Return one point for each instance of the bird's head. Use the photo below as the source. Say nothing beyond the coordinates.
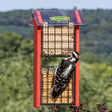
(75, 55)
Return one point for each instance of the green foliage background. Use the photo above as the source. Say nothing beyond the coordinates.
(16, 62)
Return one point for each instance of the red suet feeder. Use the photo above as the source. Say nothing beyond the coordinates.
(56, 34)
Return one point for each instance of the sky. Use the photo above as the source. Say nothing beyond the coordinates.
(7, 5)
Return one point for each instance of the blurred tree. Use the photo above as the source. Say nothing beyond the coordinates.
(16, 77)
(95, 83)
(9, 44)
(89, 58)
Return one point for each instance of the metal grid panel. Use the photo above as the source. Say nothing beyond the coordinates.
(47, 80)
(57, 40)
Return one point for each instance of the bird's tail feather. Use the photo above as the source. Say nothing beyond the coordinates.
(55, 92)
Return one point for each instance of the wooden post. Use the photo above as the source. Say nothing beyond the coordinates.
(37, 65)
(77, 67)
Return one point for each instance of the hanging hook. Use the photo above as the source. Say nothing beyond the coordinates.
(74, 3)
(36, 6)
(38, 1)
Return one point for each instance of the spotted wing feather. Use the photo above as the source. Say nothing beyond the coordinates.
(60, 82)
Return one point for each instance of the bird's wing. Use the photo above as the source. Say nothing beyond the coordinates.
(60, 82)
(62, 63)
(67, 71)
(60, 67)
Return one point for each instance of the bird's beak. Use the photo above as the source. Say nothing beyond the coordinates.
(77, 57)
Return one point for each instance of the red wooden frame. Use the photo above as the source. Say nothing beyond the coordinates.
(77, 15)
(38, 15)
(37, 60)
(77, 67)
(37, 65)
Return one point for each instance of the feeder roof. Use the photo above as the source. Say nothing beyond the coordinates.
(58, 17)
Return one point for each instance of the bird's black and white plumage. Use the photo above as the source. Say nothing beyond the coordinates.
(63, 74)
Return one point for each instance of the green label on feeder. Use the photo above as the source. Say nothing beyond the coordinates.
(60, 18)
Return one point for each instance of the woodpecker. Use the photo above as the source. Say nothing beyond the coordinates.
(63, 74)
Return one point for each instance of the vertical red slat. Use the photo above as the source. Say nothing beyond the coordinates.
(38, 15)
(78, 18)
(77, 67)
(37, 65)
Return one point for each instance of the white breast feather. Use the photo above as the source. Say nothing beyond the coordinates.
(65, 73)
(73, 59)
(56, 70)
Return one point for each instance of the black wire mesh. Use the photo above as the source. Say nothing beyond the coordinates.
(57, 41)
(47, 80)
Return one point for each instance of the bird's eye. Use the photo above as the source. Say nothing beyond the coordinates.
(73, 54)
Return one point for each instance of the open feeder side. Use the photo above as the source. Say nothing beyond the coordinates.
(56, 34)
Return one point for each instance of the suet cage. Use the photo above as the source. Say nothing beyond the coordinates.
(56, 34)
